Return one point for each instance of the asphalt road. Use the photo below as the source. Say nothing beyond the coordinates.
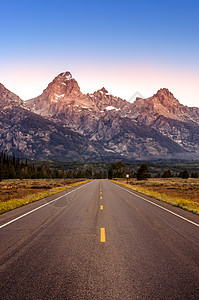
(99, 241)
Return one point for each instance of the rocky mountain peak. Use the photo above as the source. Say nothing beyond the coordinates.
(166, 98)
(164, 91)
(103, 90)
(3, 90)
(63, 78)
(9, 98)
(1, 87)
(66, 75)
(65, 124)
(163, 104)
(62, 87)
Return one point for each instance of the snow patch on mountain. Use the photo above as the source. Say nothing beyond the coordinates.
(111, 108)
(59, 96)
(65, 75)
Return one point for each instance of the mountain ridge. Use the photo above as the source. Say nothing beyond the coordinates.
(100, 125)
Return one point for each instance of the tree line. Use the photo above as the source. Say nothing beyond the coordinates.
(119, 170)
(12, 167)
(183, 174)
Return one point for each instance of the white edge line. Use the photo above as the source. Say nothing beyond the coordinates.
(31, 211)
(158, 205)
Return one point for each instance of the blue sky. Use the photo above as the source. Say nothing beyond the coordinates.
(126, 46)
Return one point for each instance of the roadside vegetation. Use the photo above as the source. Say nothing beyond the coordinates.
(183, 193)
(23, 181)
(15, 192)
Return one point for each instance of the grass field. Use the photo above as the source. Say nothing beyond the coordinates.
(15, 192)
(183, 193)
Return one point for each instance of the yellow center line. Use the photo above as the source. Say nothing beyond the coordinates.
(100, 197)
(101, 207)
(102, 235)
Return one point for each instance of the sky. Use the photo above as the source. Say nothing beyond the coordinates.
(125, 46)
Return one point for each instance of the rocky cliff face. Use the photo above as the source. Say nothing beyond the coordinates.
(163, 103)
(164, 113)
(8, 98)
(63, 102)
(65, 124)
(32, 136)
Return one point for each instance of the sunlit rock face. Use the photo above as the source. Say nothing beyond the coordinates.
(164, 113)
(63, 102)
(65, 124)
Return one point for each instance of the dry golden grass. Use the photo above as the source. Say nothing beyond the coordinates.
(15, 192)
(178, 192)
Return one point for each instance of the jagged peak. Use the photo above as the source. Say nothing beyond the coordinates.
(3, 88)
(66, 75)
(164, 91)
(161, 101)
(61, 87)
(6, 96)
(166, 98)
(103, 90)
(63, 77)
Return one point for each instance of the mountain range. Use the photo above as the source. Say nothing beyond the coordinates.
(65, 124)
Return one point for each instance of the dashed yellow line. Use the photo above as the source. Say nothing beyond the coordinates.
(102, 230)
(102, 235)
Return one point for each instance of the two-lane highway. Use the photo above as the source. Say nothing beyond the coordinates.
(99, 241)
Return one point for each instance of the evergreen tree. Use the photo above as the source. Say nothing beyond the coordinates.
(157, 175)
(110, 173)
(184, 174)
(117, 170)
(194, 175)
(167, 174)
(143, 172)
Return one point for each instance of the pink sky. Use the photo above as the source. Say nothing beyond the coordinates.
(28, 81)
